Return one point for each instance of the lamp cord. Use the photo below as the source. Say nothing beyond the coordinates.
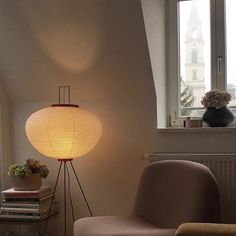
(65, 210)
(82, 191)
(66, 172)
(70, 198)
(53, 196)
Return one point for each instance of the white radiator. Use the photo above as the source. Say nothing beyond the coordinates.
(222, 165)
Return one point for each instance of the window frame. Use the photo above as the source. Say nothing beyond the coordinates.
(218, 55)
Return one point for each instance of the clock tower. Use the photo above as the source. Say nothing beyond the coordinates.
(194, 67)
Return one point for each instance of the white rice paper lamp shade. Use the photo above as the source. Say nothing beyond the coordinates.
(63, 132)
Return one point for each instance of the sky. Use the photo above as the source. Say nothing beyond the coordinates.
(203, 7)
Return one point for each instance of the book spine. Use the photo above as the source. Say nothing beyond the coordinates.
(19, 217)
(41, 209)
(43, 190)
(27, 213)
(20, 205)
(26, 217)
(25, 194)
(28, 199)
(22, 199)
(22, 195)
(18, 210)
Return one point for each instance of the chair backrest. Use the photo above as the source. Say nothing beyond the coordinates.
(176, 191)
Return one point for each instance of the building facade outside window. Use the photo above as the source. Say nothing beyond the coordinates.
(194, 56)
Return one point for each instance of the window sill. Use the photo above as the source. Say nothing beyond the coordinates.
(196, 130)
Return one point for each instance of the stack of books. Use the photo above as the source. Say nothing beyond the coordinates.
(27, 205)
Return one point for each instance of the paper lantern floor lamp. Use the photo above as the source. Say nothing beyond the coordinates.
(64, 131)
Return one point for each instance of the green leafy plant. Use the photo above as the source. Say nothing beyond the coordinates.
(19, 170)
(186, 99)
(31, 166)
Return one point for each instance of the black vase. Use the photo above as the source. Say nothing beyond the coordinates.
(218, 117)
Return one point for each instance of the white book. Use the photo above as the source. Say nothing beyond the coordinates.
(26, 217)
(21, 205)
(32, 205)
(44, 190)
(40, 210)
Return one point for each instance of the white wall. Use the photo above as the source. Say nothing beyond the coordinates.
(5, 137)
(155, 22)
(99, 49)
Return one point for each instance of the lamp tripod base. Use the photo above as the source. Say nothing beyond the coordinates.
(66, 178)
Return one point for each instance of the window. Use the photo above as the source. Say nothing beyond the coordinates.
(201, 52)
(194, 56)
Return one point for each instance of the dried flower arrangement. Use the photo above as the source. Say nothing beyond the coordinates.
(32, 166)
(216, 98)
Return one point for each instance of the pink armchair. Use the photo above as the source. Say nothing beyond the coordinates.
(170, 193)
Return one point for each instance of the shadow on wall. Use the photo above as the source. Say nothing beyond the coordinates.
(50, 41)
(70, 34)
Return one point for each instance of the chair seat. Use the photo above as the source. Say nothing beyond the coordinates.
(118, 226)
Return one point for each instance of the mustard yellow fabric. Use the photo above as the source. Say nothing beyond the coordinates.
(206, 229)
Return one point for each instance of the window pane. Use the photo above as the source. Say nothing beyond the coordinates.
(194, 33)
(231, 50)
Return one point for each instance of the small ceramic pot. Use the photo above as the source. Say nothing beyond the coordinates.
(26, 183)
(218, 117)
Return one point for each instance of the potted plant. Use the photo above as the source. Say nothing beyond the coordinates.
(28, 176)
(217, 113)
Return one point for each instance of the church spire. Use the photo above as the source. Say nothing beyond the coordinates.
(194, 25)
(194, 16)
